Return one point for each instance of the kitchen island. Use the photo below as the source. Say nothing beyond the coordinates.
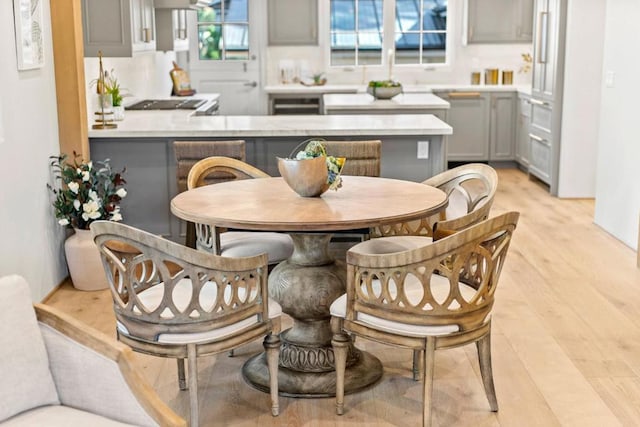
(143, 143)
(405, 103)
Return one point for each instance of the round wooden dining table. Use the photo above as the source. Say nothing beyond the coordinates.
(308, 282)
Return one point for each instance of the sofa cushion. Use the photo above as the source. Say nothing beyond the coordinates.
(63, 416)
(26, 381)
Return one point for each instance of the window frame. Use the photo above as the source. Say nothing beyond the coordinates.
(223, 23)
(388, 42)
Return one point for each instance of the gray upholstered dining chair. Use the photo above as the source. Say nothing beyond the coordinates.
(216, 240)
(177, 302)
(188, 153)
(425, 296)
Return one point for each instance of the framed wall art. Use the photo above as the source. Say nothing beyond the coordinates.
(29, 38)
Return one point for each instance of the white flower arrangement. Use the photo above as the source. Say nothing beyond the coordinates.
(87, 193)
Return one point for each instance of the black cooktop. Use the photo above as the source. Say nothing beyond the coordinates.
(167, 104)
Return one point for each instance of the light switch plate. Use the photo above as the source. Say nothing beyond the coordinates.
(609, 78)
(423, 149)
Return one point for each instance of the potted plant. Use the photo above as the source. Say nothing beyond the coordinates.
(87, 192)
(112, 87)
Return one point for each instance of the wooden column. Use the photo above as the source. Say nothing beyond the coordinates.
(66, 27)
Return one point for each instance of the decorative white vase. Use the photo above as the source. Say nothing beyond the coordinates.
(83, 260)
(118, 113)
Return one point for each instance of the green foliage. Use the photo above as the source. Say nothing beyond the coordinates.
(384, 83)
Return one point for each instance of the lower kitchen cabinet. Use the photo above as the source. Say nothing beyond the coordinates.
(502, 129)
(483, 125)
(523, 120)
(468, 115)
(541, 139)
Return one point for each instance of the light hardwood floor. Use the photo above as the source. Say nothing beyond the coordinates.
(566, 340)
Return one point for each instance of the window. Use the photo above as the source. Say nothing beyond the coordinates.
(223, 30)
(358, 37)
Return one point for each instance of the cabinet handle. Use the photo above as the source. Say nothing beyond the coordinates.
(250, 84)
(538, 102)
(539, 139)
(542, 37)
(464, 94)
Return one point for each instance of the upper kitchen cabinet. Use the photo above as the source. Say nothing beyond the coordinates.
(118, 27)
(171, 27)
(293, 22)
(499, 21)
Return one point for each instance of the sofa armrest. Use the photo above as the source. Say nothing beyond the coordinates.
(96, 373)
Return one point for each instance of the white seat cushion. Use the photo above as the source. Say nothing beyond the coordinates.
(25, 379)
(60, 416)
(392, 244)
(278, 246)
(413, 288)
(152, 297)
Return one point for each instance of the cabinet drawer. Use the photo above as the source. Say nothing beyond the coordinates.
(540, 157)
(541, 115)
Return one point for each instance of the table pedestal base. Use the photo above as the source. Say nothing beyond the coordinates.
(305, 285)
(366, 372)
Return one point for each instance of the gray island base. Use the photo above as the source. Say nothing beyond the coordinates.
(143, 144)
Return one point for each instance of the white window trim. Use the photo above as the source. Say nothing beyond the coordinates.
(388, 9)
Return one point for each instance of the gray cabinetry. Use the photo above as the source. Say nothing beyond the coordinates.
(547, 22)
(546, 90)
(523, 120)
(468, 115)
(293, 22)
(499, 21)
(502, 128)
(541, 139)
(118, 27)
(171, 27)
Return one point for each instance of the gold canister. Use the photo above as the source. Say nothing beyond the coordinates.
(491, 76)
(475, 78)
(507, 77)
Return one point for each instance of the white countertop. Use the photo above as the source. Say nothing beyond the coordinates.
(181, 123)
(296, 88)
(364, 101)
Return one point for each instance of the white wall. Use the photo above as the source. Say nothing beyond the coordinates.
(463, 61)
(146, 75)
(31, 243)
(581, 98)
(618, 166)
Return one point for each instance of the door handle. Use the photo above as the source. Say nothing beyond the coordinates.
(539, 139)
(538, 102)
(250, 84)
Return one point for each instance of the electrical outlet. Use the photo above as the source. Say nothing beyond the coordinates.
(423, 149)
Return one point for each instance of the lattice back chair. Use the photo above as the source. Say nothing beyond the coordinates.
(188, 153)
(363, 157)
(470, 188)
(433, 296)
(216, 240)
(173, 301)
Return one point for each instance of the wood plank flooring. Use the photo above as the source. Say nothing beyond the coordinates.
(566, 340)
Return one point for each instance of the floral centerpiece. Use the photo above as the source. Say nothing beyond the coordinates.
(311, 172)
(315, 148)
(88, 191)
